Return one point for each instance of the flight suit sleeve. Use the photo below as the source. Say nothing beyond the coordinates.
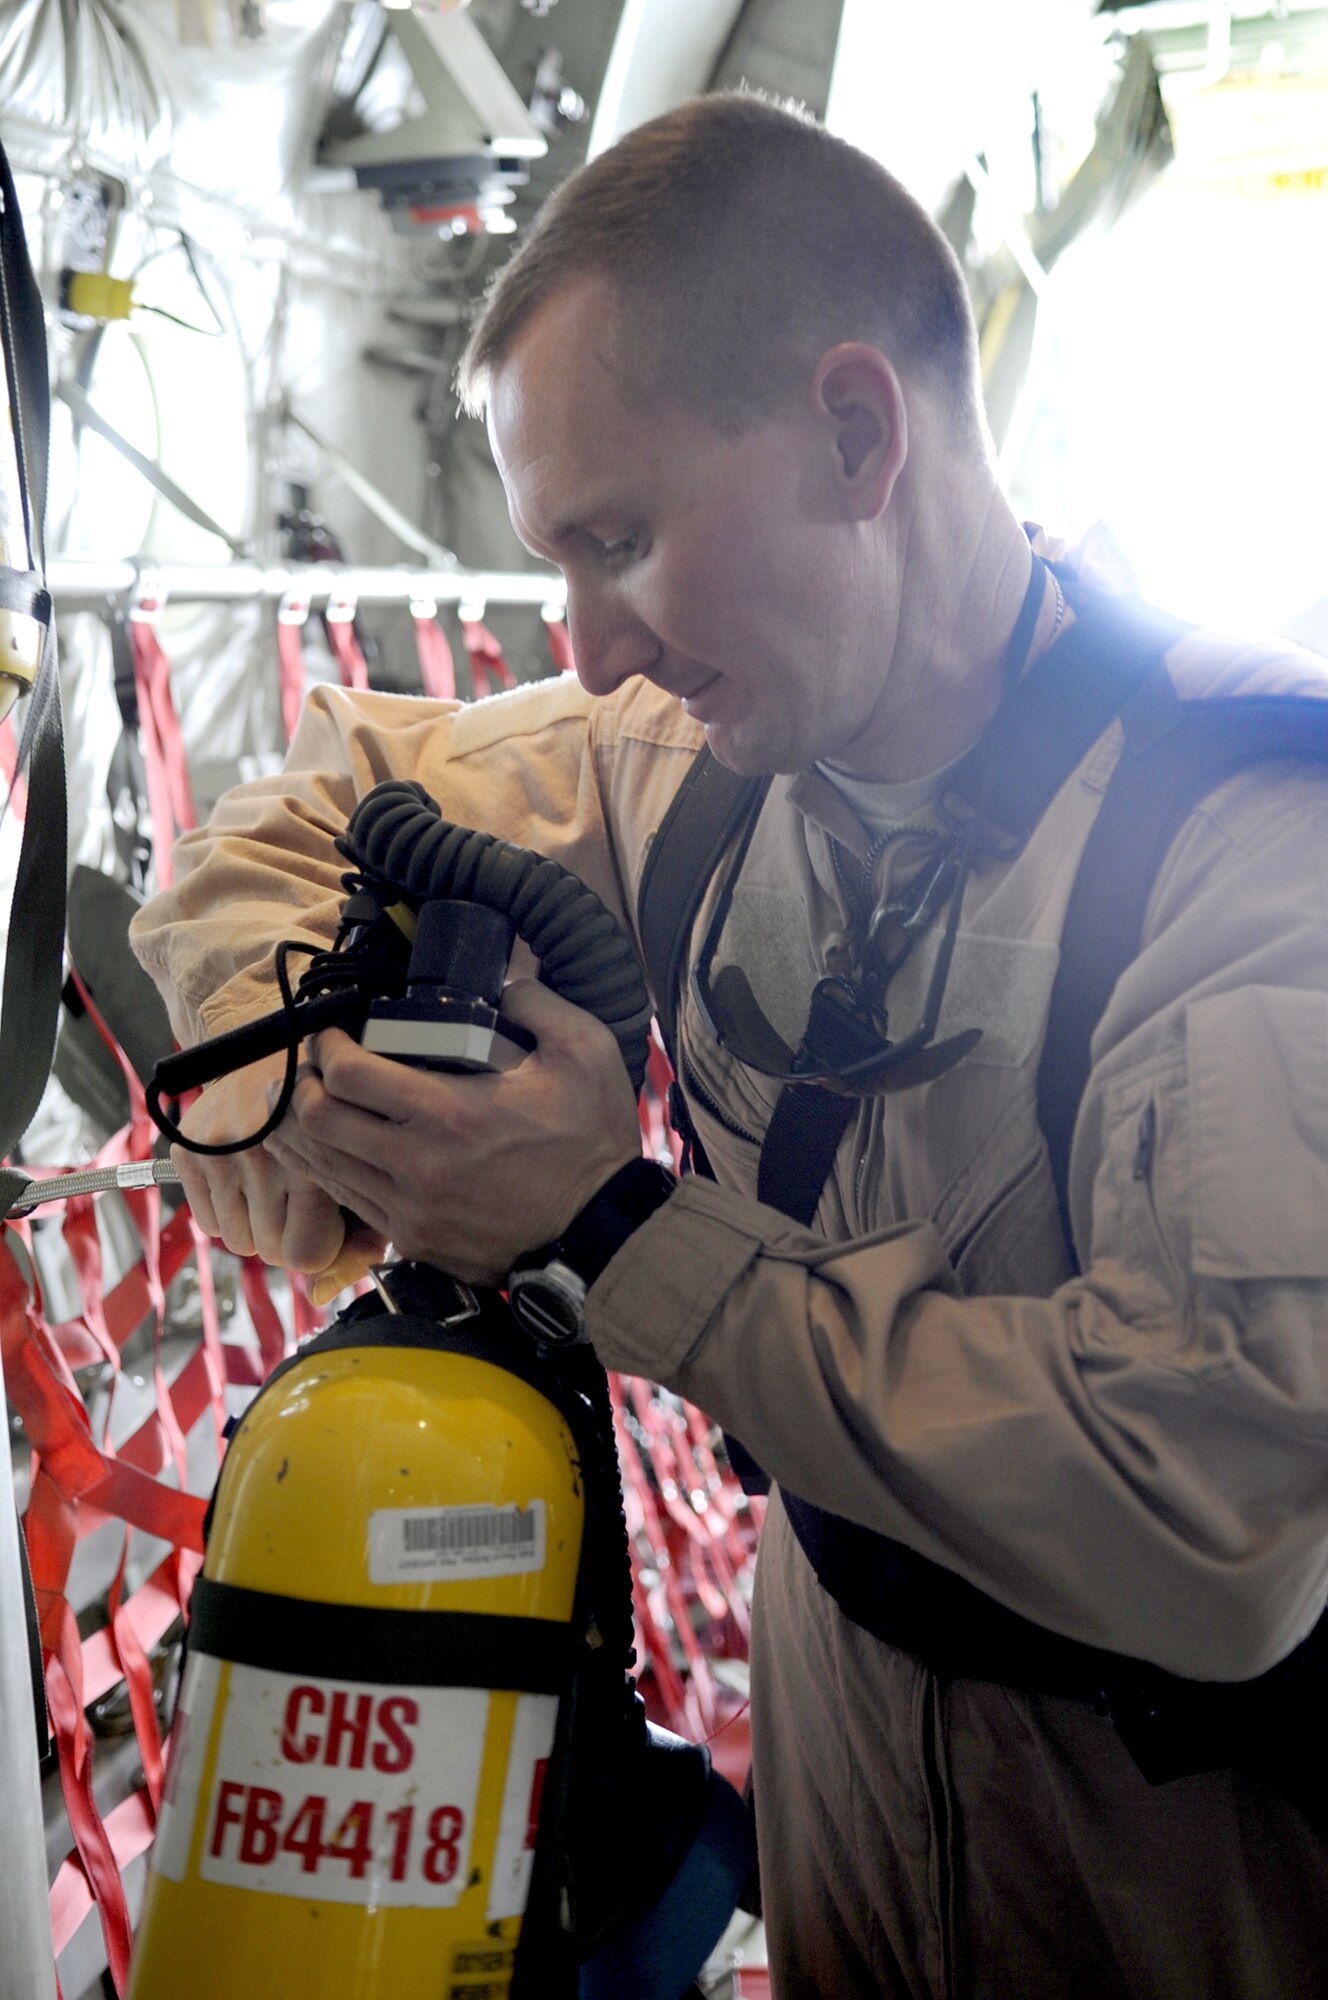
(527, 765)
(1136, 1461)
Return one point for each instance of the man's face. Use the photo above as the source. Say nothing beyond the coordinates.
(713, 565)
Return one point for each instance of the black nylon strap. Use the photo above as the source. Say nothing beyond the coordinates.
(799, 1148)
(684, 854)
(40, 1711)
(23, 590)
(354, 1642)
(1052, 719)
(1154, 788)
(122, 666)
(34, 951)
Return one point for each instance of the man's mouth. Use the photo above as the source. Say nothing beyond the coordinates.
(694, 701)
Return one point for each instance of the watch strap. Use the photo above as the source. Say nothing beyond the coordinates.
(598, 1231)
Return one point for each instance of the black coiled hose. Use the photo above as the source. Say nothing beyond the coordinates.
(398, 834)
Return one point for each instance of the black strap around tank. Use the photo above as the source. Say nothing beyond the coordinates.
(355, 1642)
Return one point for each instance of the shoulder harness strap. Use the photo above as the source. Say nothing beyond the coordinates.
(705, 811)
(1175, 753)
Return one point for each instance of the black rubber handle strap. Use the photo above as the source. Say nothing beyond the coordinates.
(354, 1642)
(250, 1042)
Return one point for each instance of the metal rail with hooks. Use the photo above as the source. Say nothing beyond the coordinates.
(76, 584)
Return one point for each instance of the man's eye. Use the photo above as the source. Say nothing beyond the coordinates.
(625, 545)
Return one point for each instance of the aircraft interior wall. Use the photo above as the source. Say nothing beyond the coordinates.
(291, 285)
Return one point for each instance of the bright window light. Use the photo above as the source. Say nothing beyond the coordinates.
(1178, 390)
(1184, 399)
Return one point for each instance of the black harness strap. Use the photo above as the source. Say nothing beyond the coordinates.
(1174, 754)
(1040, 734)
(1155, 786)
(1052, 719)
(703, 816)
(703, 813)
(799, 1150)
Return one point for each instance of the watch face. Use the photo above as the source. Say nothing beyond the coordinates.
(549, 1303)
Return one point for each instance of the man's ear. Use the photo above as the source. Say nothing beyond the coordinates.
(858, 405)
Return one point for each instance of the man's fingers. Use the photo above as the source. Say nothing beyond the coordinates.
(314, 1229)
(196, 1191)
(361, 1081)
(344, 1182)
(230, 1205)
(537, 1007)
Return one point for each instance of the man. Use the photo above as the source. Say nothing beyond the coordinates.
(731, 387)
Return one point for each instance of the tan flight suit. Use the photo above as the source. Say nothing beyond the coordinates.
(1134, 1457)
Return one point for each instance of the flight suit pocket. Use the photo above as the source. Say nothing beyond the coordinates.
(1257, 1062)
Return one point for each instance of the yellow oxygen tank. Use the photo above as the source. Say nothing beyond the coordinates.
(378, 1645)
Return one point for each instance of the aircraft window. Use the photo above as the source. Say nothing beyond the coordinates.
(112, 504)
(173, 381)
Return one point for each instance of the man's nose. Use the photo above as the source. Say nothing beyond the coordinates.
(610, 643)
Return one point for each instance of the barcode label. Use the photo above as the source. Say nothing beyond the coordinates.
(407, 1543)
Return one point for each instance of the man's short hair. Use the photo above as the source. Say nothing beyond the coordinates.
(742, 240)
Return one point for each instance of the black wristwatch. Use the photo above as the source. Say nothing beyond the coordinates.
(547, 1287)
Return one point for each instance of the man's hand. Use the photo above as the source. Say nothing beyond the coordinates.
(251, 1200)
(466, 1172)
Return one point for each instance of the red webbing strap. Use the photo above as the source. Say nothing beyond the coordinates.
(83, 1242)
(346, 651)
(127, 1303)
(144, 1205)
(42, 1388)
(170, 795)
(692, 1534)
(57, 1423)
(136, 1670)
(76, 1484)
(84, 1245)
(560, 645)
(65, 1460)
(437, 667)
(56, 1420)
(703, 1558)
(129, 1831)
(64, 1694)
(488, 668)
(673, 1646)
(152, 1610)
(661, 1141)
(652, 1642)
(267, 1320)
(214, 1354)
(17, 799)
(290, 667)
